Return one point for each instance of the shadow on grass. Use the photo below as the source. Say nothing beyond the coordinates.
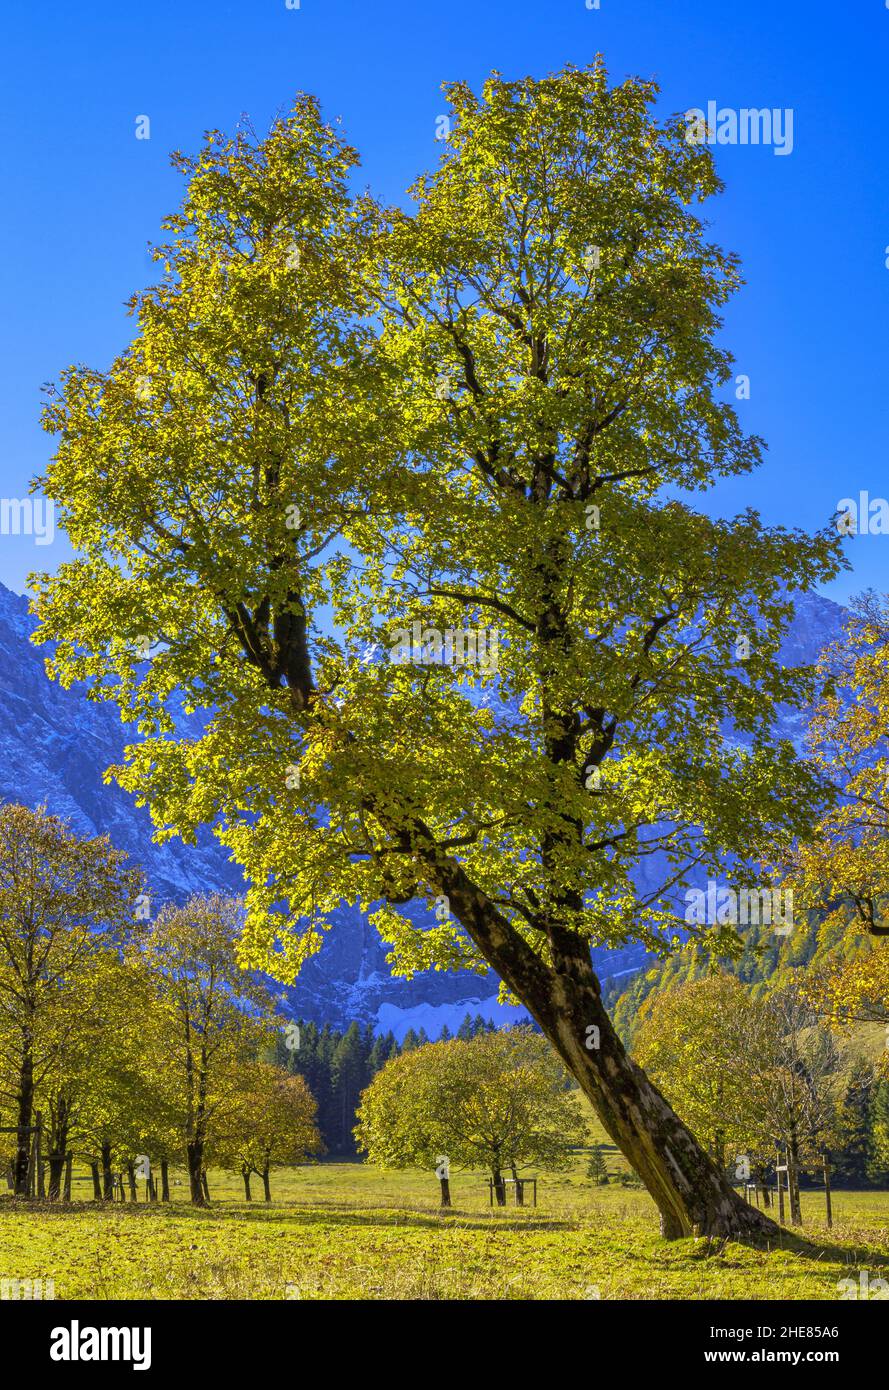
(856, 1250)
(309, 1214)
(809, 1248)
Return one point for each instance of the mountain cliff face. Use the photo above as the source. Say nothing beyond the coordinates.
(55, 746)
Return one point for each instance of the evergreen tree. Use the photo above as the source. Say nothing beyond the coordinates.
(324, 1053)
(337, 1067)
(347, 1083)
(597, 1168)
(377, 1057)
(850, 1161)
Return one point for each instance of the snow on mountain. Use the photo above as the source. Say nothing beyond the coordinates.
(56, 744)
(54, 747)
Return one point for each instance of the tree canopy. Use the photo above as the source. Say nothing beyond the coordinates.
(497, 1101)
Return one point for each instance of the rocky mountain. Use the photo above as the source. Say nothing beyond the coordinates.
(56, 744)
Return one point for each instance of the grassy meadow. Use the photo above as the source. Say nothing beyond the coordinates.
(350, 1231)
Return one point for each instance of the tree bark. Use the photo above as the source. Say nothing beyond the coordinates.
(194, 1157)
(796, 1213)
(58, 1148)
(499, 1188)
(107, 1175)
(445, 1186)
(245, 1174)
(719, 1149)
(266, 1186)
(759, 1175)
(69, 1161)
(827, 1196)
(97, 1186)
(131, 1181)
(165, 1180)
(38, 1156)
(24, 1116)
(56, 1168)
(204, 1185)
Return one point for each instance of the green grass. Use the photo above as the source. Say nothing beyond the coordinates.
(348, 1231)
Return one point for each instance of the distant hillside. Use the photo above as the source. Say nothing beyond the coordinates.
(767, 962)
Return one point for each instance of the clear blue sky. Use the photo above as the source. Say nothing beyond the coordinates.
(83, 196)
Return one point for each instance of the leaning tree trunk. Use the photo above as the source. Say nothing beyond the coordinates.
(692, 1195)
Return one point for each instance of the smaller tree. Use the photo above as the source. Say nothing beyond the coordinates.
(271, 1123)
(92, 1097)
(597, 1168)
(497, 1100)
(793, 1067)
(690, 1043)
(63, 901)
(212, 1018)
(850, 1156)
